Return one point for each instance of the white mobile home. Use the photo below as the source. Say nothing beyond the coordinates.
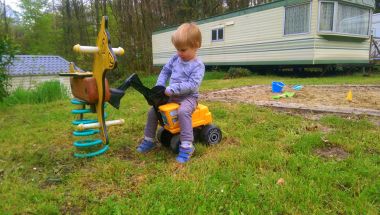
(283, 32)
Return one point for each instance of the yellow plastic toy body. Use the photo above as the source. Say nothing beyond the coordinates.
(169, 112)
(204, 130)
(105, 60)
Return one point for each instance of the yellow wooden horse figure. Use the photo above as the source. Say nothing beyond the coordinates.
(91, 88)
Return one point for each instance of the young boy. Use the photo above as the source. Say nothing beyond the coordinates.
(185, 73)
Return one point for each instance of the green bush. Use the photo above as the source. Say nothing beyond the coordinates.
(237, 72)
(7, 52)
(4, 83)
(45, 92)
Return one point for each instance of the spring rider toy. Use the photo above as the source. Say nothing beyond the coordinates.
(91, 89)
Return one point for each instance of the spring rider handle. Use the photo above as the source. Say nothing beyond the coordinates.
(104, 60)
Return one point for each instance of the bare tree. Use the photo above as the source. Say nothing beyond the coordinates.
(6, 28)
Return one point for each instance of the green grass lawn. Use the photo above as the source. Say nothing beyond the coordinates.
(39, 175)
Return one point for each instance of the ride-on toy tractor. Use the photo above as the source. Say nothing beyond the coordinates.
(167, 113)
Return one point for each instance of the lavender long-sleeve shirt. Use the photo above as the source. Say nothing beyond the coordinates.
(184, 77)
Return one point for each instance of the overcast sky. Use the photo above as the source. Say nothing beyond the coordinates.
(13, 4)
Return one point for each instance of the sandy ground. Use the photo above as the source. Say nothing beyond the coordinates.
(323, 98)
(312, 102)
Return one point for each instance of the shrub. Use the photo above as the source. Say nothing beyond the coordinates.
(237, 72)
(7, 52)
(45, 92)
(4, 83)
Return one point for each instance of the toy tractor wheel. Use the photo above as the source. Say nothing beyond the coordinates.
(174, 144)
(164, 136)
(211, 135)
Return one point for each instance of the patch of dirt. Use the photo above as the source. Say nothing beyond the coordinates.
(125, 153)
(319, 98)
(69, 208)
(318, 127)
(51, 181)
(332, 152)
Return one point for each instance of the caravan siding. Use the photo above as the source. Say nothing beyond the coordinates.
(255, 36)
(248, 41)
(328, 51)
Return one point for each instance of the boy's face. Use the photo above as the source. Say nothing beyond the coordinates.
(187, 53)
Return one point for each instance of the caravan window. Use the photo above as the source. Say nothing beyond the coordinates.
(297, 19)
(326, 18)
(217, 34)
(335, 17)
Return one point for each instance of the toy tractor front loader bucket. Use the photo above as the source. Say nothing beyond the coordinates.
(155, 96)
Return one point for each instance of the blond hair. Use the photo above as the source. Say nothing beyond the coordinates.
(187, 35)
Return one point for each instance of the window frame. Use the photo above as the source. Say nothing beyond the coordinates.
(335, 20)
(217, 33)
(309, 24)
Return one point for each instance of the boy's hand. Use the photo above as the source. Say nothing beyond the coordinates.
(168, 91)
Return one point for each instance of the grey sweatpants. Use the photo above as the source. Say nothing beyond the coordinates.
(187, 106)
